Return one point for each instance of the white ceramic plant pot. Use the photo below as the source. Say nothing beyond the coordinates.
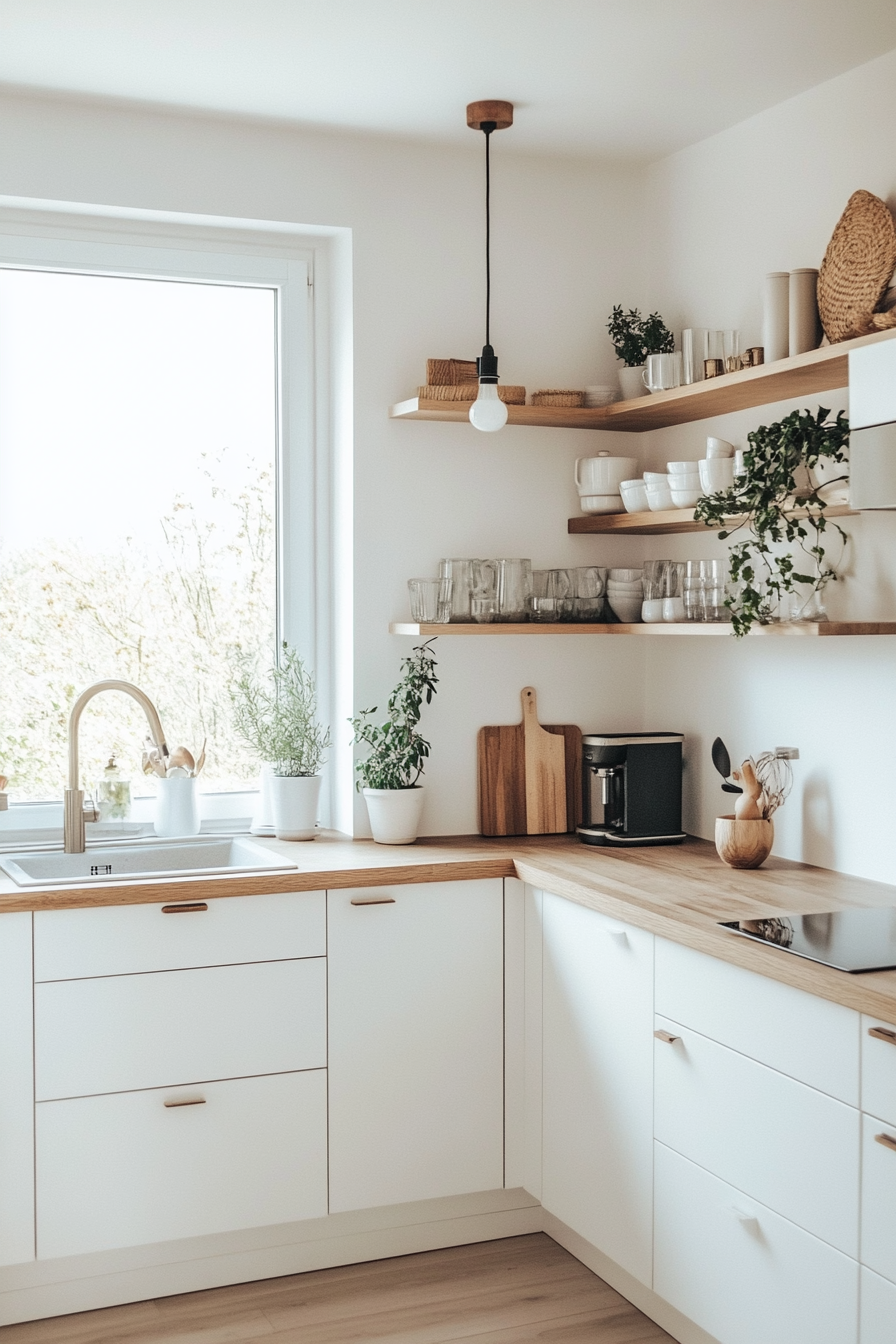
(294, 800)
(394, 814)
(177, 807)
(632, 383)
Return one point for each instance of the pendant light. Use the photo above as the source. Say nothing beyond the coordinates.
(488, 411)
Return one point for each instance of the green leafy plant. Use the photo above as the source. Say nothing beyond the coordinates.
(397, 751)
(774, 489)
(276, 715)
(635, 337)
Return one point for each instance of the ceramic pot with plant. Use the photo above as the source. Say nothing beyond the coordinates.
(276, 716)
(389, 777)
(634, 338)
(778, 502)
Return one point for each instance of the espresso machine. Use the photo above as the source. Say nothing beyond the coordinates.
(631, 789)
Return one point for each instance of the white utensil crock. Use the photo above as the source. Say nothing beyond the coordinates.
(294, 800)
(177, 807)
(394, 814)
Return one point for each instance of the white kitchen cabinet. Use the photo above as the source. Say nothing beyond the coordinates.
(128, 939)
(879, 1069)
(119, 1033)
(598, 1081)
(787, 1145)
(16, 1091)
(742, 1272)
(415, 1032)
(129, 1169)
(878, 1309)
(879, 1198)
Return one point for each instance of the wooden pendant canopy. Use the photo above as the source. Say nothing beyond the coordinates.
(491, 109)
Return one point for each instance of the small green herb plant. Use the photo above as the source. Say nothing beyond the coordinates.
(275, 714)
(397, 751)
(774, 488)
(635, 337)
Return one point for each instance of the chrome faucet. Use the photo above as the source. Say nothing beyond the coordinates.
(75, 812)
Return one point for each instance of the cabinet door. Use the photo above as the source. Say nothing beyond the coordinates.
(598, 1081)
(878, 1310)
(144, 1167)
(879, 1069)
(879, 1198)
(16, 1092)
(415, 1030)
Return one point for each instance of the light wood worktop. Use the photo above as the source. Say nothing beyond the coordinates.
(677, 892)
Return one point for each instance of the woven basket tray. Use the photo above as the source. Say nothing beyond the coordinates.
(556, 396)
(449, 372)
(857, 269)
(514, 396)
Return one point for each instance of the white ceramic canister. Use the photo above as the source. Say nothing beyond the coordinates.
(603, 474)
(804, 324)
(294, 800)
(394, 814)
(177, 807)
(775, 316)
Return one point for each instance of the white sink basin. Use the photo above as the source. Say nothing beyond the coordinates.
(142, 858)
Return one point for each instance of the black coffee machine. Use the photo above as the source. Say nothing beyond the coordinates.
(631, 789)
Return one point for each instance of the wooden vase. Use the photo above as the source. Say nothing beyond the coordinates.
(744, 844)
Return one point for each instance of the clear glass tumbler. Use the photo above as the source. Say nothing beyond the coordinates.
(514, 589)
(430, 600)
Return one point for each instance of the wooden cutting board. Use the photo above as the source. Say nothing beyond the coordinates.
(529, 775)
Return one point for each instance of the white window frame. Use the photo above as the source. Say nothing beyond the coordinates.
(310, 271)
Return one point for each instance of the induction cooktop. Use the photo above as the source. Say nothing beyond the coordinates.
(849, 940)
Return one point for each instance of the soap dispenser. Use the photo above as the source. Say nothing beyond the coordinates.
(113, 794)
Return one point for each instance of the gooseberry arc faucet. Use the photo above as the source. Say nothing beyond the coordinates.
(75, 814)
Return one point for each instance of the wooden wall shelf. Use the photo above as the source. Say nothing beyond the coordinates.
(810, 630)
(806, 375)
(667, 522)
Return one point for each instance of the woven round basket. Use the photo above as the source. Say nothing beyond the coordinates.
(857, 269)
(557, 396)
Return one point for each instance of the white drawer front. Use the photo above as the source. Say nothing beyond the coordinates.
(743, 1273)
(879, 1198)
(803, 1036)
(878, 1310)
(879, 1068)
(126, 1170)
(794, 1149)
(125, 939)
(131, 1031)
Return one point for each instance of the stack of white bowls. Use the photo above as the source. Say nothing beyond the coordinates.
(601, 395)
(659, 493)
(684, 484)
(717, 468)
(598, 480)
(625, 594)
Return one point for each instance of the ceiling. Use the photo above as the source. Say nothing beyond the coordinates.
(611, 78)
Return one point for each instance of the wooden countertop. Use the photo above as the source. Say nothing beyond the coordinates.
(678, 892)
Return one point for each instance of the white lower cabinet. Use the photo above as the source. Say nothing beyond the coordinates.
(879, 1198)
(878, 1313)
(415, 1038)
(743, 1273)
(141, 1167)
(598, 1081)
(16, 1091)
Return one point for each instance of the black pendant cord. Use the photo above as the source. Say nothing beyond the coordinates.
(488, 127)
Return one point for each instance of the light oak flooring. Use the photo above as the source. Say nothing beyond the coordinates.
(522, 1290)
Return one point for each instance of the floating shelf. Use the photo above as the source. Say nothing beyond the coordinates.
(802, 376)
(821, 629)
(666, 522)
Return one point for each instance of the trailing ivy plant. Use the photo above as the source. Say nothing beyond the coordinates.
(275, 714)
(397, 750)
(635, 337)
(767, 499)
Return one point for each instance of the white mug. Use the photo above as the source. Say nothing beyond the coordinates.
(603, 474)
(662, 372)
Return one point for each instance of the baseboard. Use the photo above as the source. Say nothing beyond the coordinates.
(657, 1308)
(84, 1283)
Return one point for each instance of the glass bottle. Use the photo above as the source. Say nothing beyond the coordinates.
(113, 794)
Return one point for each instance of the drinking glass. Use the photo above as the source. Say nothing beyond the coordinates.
(430, 600)
(514, 588)
(657, 579)
(731, 350)
(468, 577)
(714, 574)
(693, 341)
(484, 610)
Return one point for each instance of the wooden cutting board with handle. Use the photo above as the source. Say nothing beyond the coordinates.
(529, 775)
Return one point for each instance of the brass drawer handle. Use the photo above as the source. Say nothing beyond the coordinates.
(666, 1037)
(185, 1101)
(882, 1034)
(188, 908)
(887, 1140)
(373, 900)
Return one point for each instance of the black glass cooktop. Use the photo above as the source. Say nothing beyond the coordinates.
(850, 940)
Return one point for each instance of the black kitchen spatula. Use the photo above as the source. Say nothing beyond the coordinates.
(722, 762)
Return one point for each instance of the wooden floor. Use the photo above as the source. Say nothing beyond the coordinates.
(522, 1290)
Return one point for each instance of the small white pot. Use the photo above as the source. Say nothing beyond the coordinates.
(177, 807)
(294, 800)
(632, 383)
(394, 814)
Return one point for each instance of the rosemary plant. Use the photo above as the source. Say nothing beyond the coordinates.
(276, 716)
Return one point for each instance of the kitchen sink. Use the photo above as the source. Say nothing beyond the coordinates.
(143, 858)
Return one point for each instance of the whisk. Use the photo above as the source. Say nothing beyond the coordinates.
(773, 772)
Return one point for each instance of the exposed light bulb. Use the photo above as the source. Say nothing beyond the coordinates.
(488, 411)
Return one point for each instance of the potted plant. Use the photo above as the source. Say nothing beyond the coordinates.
(390, 774)
(634, 338)
(276, 716)
(780, 480)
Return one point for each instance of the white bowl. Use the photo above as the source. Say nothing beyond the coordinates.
(686, 499)
(600, 395)
(625, 575)
(634, 496)
(716, 473)
(659, 496)
(627, 609)
(627, 590)
(655, 477)
(683, 468)
(601, 504)
(719, 447)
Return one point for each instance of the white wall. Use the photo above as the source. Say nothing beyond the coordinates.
(766, 196)
(566, 247)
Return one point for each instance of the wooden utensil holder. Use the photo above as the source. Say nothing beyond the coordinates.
(744, 844)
